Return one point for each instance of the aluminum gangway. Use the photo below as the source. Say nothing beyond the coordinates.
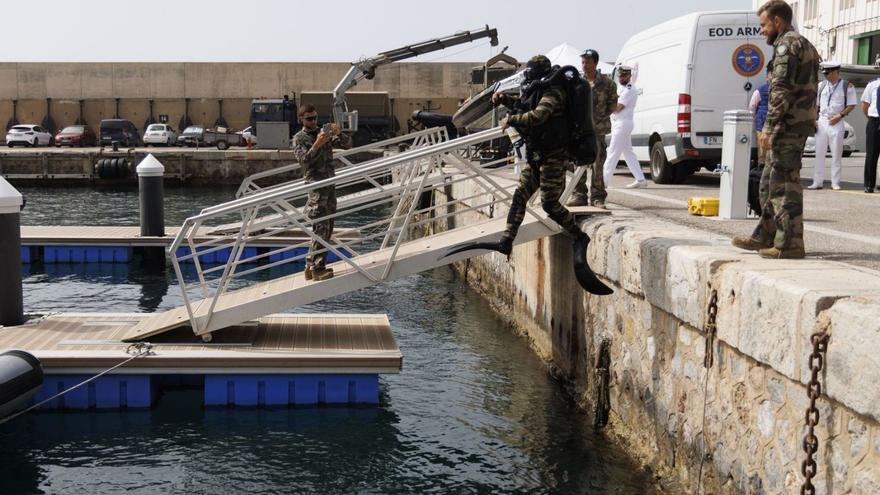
(405, 227)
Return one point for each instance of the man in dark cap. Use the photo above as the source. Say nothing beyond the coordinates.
(604, 95)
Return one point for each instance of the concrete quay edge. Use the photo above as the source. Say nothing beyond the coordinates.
(767, 309)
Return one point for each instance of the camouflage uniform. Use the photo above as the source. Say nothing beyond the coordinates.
(604, 96)
(791, 118)
(318, 165)
(545, 169)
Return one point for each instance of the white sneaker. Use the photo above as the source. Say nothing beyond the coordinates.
(639, 184)
(814, 187)
(835, 187)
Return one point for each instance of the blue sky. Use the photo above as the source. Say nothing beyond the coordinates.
(319, 31)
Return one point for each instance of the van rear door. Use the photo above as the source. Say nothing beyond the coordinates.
(729, 61)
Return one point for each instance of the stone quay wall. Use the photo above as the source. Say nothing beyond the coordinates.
(754, 396)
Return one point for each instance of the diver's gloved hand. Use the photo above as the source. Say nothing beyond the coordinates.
(582, 271)
(503, 246)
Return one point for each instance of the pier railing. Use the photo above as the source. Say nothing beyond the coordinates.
(375, 217)
(426, 137)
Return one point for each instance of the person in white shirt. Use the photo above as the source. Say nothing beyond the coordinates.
(836, 99)
(870, 100)
(621, 131)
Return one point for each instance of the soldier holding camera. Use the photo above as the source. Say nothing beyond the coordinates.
(313, 149)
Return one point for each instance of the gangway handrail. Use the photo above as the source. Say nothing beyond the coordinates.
(249, 185)
(348, 173)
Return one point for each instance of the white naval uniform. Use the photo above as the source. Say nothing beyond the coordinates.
(621, 136)
(831, 103)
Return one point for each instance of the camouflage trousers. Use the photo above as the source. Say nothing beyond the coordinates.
(321, 202)
(782, 196)
(597, 183)
(548, 175)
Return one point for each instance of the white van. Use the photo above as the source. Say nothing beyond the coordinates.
(690, 71)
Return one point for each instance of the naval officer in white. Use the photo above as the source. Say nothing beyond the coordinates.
(836, 99)
(621, 131)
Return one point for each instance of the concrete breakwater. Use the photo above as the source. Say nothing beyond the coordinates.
(739, 424)
(209, 166)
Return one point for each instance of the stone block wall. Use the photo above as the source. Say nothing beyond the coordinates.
(754, 396)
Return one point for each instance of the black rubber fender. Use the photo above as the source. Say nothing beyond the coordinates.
(21, 376)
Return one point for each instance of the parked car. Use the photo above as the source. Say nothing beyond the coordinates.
(120, 130)
(28, 135)
(160, 134)
(248, 136)
(849, 141)
(76, 135)
(192, 136)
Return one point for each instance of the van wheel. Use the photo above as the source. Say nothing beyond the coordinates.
(662, 171)
(847, 154)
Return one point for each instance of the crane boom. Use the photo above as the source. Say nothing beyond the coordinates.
(366, 68)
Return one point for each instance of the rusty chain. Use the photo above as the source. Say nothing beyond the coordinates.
(711, 316)
(708, 361)
(603, 384)
(811, 417)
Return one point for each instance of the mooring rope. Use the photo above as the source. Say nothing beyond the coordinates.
(136, 350)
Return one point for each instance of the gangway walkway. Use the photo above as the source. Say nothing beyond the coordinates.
(401, 227)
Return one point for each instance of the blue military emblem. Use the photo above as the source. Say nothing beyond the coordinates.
(748, 60)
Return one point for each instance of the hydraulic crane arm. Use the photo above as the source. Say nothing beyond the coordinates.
(366, 68)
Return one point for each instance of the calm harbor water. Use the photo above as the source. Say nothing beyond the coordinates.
(472, 412)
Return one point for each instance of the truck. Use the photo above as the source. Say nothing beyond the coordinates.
(688, 72)
(274, 110)
(375, 122)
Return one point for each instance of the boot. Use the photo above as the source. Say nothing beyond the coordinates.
(599, 203)
(308, 273)
(322, 273)
(749, 244)
(578, 199)
(783, 254)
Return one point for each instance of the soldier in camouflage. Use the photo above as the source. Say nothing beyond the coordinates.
(313, 149)
(604, 96)
(543, 124)
(791, 118)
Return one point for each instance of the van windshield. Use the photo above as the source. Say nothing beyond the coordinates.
(112, 124)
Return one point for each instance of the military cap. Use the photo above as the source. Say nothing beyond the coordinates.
(590, 53)
(623, 69)
(830, 66)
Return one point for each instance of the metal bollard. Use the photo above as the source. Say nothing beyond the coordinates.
(11, 304)
(152, 206)
(736, 153)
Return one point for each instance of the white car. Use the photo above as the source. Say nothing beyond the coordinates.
(849, 142)
(28, 135)
(160, 134)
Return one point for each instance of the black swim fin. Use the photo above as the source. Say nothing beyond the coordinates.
(582, 271)
(504, 246)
